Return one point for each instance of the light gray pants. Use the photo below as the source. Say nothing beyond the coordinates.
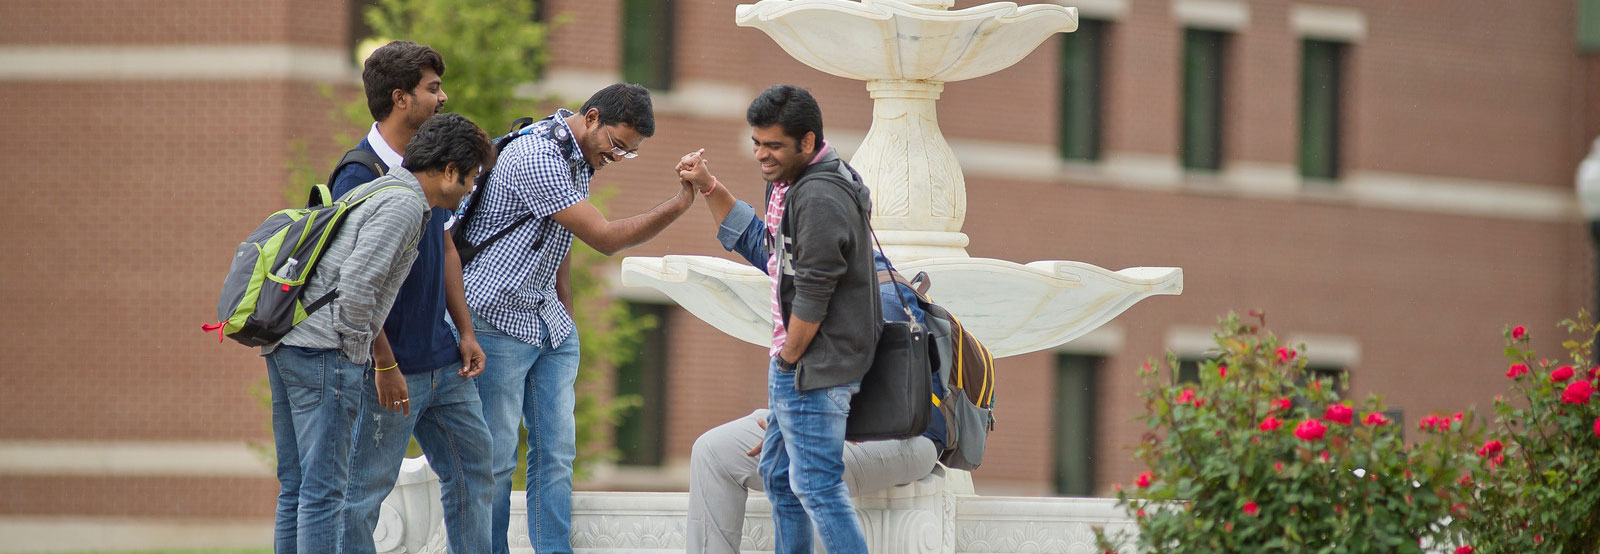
(722, 474)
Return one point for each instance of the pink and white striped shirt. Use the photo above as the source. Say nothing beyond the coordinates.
(774, 216)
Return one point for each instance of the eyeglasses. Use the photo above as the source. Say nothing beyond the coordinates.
(617, 150)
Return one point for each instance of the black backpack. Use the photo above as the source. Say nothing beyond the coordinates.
(464, 247)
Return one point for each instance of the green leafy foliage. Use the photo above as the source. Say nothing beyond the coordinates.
(1541, 491)
(1259, 456)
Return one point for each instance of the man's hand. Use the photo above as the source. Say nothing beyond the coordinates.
(757, 450)
(392, 394)
(472, 358)
(696, 170)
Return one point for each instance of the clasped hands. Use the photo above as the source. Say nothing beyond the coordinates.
(694, 170)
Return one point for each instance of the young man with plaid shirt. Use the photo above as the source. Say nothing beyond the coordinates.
(539, 188)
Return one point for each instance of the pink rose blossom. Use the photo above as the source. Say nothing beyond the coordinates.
(1518, 332)
(1490, 448)
(1144, 480)
(1310, 430)
(1270, 423)
(1250, 508)
(1286, 354)
(1339, 413)
(1517, 370)
(1222, 370)
(1467, 549)
(1282, 405)
(1375, 419)
(1577, 393)
(1561, 374)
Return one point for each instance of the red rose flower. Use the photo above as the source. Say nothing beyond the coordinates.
(1282, 405)
(1144, 480)
(1518, 332)
(1198, 402)
(1375, 419)
(1517, 370)
(1429, 422)
(1339, 413)
(1490, 448)
(1250, 508)
(1597, 427)
(1270, 423)
(1310, 430)
(1561, 374)
(1222, 370)
(1286, 354)
(1577, 393)
(1467, 549)
(1278, 466)
(1185, 397)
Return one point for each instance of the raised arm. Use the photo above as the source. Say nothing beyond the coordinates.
(739, 228)
(609, 237)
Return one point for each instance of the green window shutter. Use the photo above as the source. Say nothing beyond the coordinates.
(647, 42)
(1076, 390)
(1320, 93)
(640, 431)
(1082, 60)
(1589, 25)
(1202, 99)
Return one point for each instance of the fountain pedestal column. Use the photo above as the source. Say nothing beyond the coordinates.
(919, 196)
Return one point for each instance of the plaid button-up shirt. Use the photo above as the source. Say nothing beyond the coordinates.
(511, 285)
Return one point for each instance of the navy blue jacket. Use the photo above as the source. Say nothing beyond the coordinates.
(416, 327)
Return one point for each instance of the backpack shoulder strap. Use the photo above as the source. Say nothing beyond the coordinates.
(920, 283)
(320, 196)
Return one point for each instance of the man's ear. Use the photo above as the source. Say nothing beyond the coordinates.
(591, 117)
(808, 143)
(399, 98)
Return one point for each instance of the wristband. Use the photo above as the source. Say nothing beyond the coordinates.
(784, 364)
(714, 184)
(397, 364)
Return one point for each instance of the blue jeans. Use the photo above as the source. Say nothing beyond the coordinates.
(802, 466)
(316, 395)
(447, 419)
(532, 385)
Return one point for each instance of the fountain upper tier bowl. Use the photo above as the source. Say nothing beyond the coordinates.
(890, 40)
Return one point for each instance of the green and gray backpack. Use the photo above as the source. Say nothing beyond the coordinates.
(260, 299)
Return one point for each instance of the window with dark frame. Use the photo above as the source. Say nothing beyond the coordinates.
(1077, 388)
(647, 42)
(1204, 53)
(1081, 75)
(640, 431)
(1321, 91)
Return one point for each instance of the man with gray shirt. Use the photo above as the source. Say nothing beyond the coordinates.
(316, 371)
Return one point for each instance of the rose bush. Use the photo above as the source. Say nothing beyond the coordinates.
(1534, 485)
(1257, 456)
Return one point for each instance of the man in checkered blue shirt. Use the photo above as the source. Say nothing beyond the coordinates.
(522, 323)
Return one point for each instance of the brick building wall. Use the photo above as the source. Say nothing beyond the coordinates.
(127, 189)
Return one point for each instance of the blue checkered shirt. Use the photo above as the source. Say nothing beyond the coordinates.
(511, 285)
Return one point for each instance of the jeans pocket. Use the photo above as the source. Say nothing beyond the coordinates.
(302, 374)
(841, 395)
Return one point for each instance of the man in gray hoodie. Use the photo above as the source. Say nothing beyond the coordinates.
(825, 311)
(316, 371)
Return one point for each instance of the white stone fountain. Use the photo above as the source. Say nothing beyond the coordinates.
(905, 51)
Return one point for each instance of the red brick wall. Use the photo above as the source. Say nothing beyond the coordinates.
(128, 195)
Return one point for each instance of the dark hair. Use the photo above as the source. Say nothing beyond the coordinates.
(790, 107)
(397, 65)
(624, 103)
(446, 139)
